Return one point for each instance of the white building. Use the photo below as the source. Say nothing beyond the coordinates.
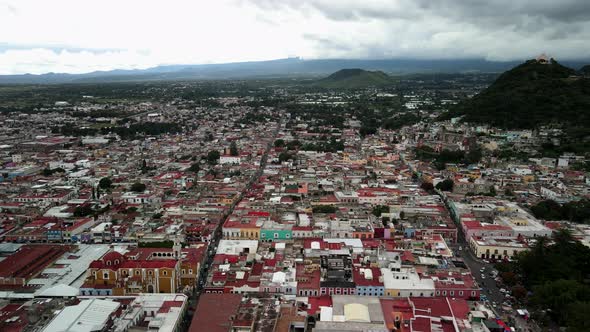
(86, 316)
(227, 159)
(406, 283)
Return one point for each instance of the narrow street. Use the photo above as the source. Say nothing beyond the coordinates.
(194, 299)
(488, 285)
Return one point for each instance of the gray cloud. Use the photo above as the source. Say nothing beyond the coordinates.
(498, 29)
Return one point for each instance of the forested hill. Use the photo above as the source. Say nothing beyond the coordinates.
(530, 95)
(355, 78)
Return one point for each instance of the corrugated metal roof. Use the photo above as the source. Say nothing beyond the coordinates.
(87, 316)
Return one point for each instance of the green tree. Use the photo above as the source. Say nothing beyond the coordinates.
(284, 156)
(233, 149)
(547, 210)
(213, 157)
(558, 295)
(324, 209)
(292, 145)
(195, 168)
(105, 183)
(138, 187)
(445, 185)
(577, 318)
(427, 186)
(83, 210)
(473, 156)
(367, 130)
(519, 292)
(380, 209)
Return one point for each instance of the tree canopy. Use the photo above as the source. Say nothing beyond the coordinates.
(445, 185)
(576, 211)
(138, 187)
(324, 209)
(213, 157)
(105, 183)
(557, 274)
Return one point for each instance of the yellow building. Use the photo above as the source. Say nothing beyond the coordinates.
(496, 248)
(145, 270)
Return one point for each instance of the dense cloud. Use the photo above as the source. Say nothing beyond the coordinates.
(497, 30)
(61, 35)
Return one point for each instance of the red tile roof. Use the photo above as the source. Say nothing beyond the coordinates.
(360, 279)
(315, 302)
(30, 259)
(214, 312)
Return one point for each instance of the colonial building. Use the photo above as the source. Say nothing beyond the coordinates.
(145, 270)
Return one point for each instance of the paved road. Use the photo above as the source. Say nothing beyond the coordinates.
(194, 299)
(484, 280)
(489, 286)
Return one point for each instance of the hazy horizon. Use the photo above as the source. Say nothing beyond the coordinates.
(64, 36)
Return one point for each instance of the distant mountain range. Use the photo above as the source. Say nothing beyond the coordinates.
(292, 67)
(533, 94)
(354, 78)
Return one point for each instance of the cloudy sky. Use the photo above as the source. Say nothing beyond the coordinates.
(74, 36)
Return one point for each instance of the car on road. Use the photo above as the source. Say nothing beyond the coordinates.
(483, 276)
(482, 270)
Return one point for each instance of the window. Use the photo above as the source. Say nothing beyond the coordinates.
(165, 273)
(287, 236)
(444, 293)
(183, 271)
(190, 271)
(263, 235)
(437, 292)
(150, 272)
(136, 272)
(105, 275)
(460, 293)
(276, 235)
(452, 293)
